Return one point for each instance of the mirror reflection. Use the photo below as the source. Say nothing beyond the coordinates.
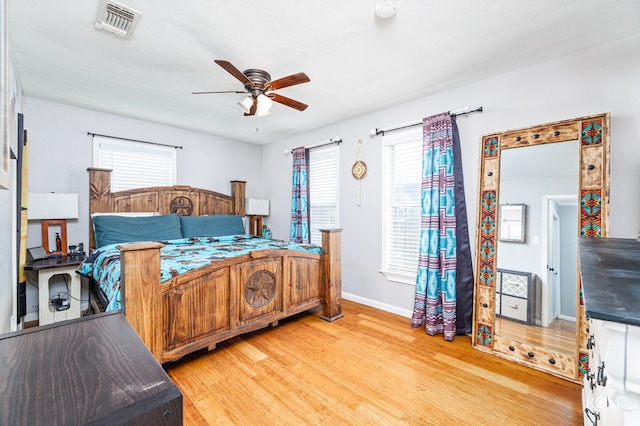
(512, 220)
(537, 277)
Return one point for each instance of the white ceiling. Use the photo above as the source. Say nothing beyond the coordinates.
(357, 63)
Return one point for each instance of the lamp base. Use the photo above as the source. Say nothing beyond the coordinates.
(255, 225)
(62, 223)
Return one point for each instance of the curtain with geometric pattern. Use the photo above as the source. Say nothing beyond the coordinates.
(444, 283)
(299, 198)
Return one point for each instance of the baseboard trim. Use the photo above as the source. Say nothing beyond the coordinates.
(376, 304)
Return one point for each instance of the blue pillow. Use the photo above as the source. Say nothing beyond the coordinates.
(216, 225)
(125, 229)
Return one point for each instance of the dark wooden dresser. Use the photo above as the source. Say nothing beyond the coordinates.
(91, 370)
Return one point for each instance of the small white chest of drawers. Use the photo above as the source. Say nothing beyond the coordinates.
(610, 273)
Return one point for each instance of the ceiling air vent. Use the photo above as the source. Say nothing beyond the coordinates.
(117, 18)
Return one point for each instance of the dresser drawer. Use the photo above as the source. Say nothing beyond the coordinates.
(513, 307)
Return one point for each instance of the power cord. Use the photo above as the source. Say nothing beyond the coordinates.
(60, 302)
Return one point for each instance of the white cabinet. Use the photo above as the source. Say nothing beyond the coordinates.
(611, 386)
(610, 275)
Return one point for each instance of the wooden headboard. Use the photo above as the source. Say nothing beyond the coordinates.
(180, 199)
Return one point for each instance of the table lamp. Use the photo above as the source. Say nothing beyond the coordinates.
(53, 209)
(255, 209)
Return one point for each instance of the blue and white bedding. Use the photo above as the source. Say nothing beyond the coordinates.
(178, 257)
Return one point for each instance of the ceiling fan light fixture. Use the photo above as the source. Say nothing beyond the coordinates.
(245, 104)
(264, 105)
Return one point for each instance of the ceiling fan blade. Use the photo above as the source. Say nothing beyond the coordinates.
(288, 101)
(224, 91)
(234, 72)
(290, 80)
(254, 107)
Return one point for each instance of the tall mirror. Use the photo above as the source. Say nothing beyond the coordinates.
(528, 306)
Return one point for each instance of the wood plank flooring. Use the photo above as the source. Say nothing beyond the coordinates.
(559, 336)
(367, 368)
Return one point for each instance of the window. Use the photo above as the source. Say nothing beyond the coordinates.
(323, 190)
(402, 162)
(135, 164)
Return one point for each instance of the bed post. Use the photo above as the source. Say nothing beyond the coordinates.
(332, 274)
(99, 199)
(141, 295)
(237, 192)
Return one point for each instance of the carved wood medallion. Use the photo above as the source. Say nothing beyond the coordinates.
(260, 289)
(182, 206)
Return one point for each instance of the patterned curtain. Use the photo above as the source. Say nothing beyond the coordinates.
(445, 273)
(299, 198)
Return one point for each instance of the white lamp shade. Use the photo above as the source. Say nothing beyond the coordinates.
(264, 105)
(245, 104)
(254, 207)
(52, 205)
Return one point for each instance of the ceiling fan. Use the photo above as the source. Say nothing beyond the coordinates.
(258, 85)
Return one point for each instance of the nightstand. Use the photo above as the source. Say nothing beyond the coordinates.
(65, 266)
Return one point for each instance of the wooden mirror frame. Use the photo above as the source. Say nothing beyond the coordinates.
(592, 134)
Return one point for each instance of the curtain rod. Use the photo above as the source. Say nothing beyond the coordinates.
(331, 141)
(134, 140)
(376, 131)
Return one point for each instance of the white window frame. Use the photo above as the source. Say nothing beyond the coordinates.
(329, 188)
(411, 135)
(135, 164)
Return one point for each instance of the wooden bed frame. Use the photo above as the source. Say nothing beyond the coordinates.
(222, 300)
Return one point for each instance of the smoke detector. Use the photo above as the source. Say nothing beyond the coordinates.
(386, 8)
(117, 18)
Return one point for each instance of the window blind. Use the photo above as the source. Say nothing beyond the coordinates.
(323, 190)
(403, 178)
(135, 164)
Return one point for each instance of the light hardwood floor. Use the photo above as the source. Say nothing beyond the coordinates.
(559, 336)
(368, 368)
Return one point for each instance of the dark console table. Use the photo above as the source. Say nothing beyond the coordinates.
(91, 370)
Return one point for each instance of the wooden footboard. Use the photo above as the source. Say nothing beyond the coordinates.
(231, 297)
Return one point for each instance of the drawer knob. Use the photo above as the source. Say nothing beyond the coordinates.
(513, 306)
(531, 354)
(490, 174)
(552, 361)
(536, 136)
(518, 138)
(485, 305)
(511, 348)
(591, 167)
(556, 133)
(167, 413)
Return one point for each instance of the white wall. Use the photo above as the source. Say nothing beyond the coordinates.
(597, 80)
(60, 151)
(8, 217)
